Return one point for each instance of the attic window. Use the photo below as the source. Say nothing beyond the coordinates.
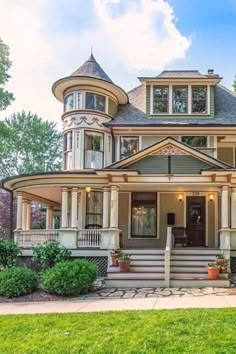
(195, 141)
(180, 99)
(160, 99)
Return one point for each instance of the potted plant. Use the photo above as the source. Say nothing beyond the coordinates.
(213, 270)
(124, 261)
(223, 263)
(114, 258)
(220, 259)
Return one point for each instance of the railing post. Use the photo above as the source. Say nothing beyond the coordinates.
(167, 256)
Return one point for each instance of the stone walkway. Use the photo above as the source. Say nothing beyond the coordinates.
(130, 293)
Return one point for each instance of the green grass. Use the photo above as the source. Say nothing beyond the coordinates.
(166, 331)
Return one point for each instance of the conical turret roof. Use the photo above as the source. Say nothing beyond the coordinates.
(91, 68)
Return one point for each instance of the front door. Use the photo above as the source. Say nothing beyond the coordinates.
(196, 221)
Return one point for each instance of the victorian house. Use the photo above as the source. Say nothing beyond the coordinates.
(151, 171)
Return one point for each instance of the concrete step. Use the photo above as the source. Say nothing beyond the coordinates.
(147, 268)
(196, 251)
(134, 283)
(184, 269)
(189, 263)
(135, 275)
(143, 251)
(188, 275)
(151, 257)
(193, 257)
(147, 262)
(199, 283)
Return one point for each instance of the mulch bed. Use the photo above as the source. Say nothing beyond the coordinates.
(38, 295)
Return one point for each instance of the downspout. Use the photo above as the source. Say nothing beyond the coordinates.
(11, 209)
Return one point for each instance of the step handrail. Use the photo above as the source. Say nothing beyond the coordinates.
(167, 256)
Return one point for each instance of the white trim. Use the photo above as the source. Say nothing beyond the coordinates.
(216, 215)
(189, 99)
(151, 100)
(206, 219)
(208, 99)
(170, 99)
(129, 217)
(158, 214)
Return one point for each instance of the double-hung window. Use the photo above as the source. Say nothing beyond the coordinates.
(199, 99)
(144, 215)
(160, 99)
(94, 148)
(180, 99)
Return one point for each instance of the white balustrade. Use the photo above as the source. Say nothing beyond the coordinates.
(89, 238)
(30, 238)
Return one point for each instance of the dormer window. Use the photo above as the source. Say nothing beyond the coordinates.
(95, 101)
(180, 99)
(160, 99)
(199, 99)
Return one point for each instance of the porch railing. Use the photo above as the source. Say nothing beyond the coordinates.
(29, 238)
(89, 238)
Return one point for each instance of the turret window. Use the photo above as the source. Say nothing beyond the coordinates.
(69, 102)
(94, 148)
(95, 101)
(67, 147)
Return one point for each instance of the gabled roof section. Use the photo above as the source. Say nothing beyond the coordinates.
(167, 147)
(91, 68)
(183, 74)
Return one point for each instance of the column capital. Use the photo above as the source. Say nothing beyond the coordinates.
(106, 189)
(74, 189)
(26, 201)
(19, 194)
(64, 189)
(115, 187)
(225, 188)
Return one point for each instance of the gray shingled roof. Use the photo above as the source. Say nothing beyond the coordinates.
(186, 74)
(91, 68)
(134, 113)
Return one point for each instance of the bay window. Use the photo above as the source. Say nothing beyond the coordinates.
(144, 215)
(199, 99)
(180, 99)
(160, 99)
(95, 101)
(128, 145)
(94, 148)
(94, 209)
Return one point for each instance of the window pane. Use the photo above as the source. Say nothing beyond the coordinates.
(93, 159)
(128, 146)
(199, 99)
(69, 102)
(143, 215)
(94, 208)
(94, 141)
(70, 140)
(94, 101)
(160, 99)
(65, 142)
(195, 141)
(180, 99)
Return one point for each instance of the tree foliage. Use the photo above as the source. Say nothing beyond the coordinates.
(234, 84)
(31, 145)
(5, 97)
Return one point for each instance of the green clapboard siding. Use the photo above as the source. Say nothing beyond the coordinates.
(158, 164)
(148, 99)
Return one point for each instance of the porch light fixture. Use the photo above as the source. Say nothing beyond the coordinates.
(88, 189)
(180, 198)
(211, 198)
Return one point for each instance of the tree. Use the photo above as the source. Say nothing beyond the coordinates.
(234, 84)
(31, 145)
(5, 97)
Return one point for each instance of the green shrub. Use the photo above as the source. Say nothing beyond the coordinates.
(9, 251)
(50, 253)
(17, 281)
(70, 278)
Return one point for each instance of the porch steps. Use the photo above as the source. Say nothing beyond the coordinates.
(188, 268)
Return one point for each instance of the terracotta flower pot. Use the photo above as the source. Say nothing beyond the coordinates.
(124, 265)
(213, 272)
(114, 259)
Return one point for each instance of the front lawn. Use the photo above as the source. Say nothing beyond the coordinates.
(166, 331)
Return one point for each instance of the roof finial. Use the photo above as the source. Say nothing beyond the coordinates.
(91, 58)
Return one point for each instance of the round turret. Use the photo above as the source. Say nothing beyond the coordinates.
(90, 99)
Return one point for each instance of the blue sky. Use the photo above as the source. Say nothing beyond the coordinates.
(130, 38)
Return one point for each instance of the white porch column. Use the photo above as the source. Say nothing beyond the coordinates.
(114, 206)
(64, 207)
(19, 211)
(74, 207)
(225, 207)
(27, 211)
(233, 208)
(49, 218)
(105, 218)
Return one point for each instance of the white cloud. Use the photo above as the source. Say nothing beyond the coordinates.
(136, 34)
(144, 36)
